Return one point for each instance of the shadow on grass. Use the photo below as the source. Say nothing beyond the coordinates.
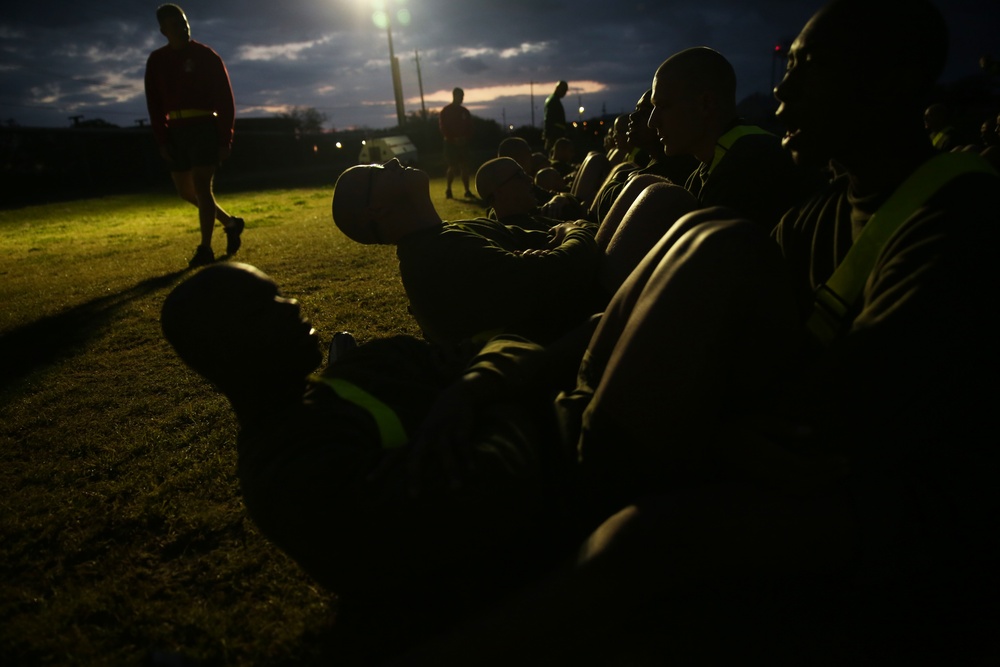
(51, 338)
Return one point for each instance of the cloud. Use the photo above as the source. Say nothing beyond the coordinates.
(116, 87)
(478, 96)
(523, 49)
(290, 51)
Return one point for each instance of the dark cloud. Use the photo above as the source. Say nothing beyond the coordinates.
(471, 65)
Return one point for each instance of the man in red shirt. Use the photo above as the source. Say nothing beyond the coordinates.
(191, 111)
(455, 122)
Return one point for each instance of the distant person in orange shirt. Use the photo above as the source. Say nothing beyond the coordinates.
(191, 111)
(455, 122)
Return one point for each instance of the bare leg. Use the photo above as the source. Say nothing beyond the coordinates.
(449, 176)
(465, 176)
(195, 187)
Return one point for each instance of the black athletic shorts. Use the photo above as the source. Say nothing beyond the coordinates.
(195, 145)
(456, 153)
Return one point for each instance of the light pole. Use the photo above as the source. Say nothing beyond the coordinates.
(382, 19)
(420, 83)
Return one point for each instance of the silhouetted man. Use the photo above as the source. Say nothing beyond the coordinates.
(191, 111)
(455, 123)
(554, 115)
(323, 461)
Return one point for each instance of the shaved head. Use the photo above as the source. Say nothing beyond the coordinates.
(702, 70)
(894, 50)
(350, 204)
(229, 323)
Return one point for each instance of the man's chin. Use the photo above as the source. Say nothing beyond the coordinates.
(802, 153)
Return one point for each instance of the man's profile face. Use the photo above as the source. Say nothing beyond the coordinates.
(393, 192)
(277, 322)
(638, 130)
(175, 27)
(674, 113)
(819, 96)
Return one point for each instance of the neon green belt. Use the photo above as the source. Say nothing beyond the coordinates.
(834, 299)
(390, 428)
(189, 113)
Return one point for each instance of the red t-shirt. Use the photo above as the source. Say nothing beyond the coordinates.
(455, 122)
(193, 77)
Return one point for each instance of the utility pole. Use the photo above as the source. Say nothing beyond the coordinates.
(397, 85)
(420, 82)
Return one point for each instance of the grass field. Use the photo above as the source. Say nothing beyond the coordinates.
(123, 539)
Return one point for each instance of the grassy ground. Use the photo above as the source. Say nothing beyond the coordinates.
(123, 539)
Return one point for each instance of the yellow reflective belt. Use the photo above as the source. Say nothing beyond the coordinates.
(390, 428)
(841, 291)
(939, 138)
(188, 113)
(727, 140)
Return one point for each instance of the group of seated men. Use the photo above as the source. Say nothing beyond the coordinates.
(742, 425)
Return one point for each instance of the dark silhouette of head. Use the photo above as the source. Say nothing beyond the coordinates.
(173, 24)
(694, 101)
(517, 149)
(230, 323)
(937, 117)
(381, 203)
(858, 77)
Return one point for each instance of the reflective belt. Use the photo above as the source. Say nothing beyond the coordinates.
(834, 298)
(939, 138)
(727, 140)
(189, 113)
(390, 428)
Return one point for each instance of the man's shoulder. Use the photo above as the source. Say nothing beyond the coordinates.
(159, 54)
(204, 50)
(970, 203)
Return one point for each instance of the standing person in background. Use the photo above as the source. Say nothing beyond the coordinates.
(455, 122)
(555, 116)
(191, 111)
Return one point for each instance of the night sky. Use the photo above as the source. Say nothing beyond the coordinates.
(62, 59)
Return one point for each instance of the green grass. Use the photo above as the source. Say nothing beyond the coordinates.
(122, 532)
